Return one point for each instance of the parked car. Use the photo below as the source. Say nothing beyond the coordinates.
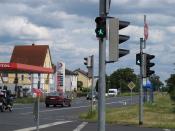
(112, 92)
(89, 95)
(56, 98)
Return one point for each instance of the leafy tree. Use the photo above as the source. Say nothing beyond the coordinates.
(156, 83)
(107, 84)
(121, 78)
(171, 86)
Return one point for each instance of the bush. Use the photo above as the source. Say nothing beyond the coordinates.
(81, 94)
(86, 90)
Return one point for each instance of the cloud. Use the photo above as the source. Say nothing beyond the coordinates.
(21, 28)
(67, 26)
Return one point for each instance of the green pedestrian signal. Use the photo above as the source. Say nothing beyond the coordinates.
(100, 27)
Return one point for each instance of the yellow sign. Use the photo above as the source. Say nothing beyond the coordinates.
(131, 85)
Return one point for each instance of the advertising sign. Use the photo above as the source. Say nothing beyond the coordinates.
(60, 77)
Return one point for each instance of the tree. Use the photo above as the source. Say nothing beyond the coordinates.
(156, 83)
(107, 84)
(171, 86)
(120, 79)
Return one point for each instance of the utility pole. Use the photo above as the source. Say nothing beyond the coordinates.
(102, 71)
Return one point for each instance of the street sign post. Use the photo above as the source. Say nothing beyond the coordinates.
(131, 86)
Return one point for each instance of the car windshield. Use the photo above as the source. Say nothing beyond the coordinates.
(111, 92)
(55, 94)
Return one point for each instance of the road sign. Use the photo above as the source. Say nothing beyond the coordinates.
(131, 85)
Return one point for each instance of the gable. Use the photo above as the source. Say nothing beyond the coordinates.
(30, 54)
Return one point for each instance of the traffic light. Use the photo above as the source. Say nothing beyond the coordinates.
(87, 61)
(115, 38)
(149, 65)
(138, 59)
(123, 38)
(100, 27)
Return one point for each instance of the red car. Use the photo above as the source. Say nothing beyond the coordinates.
(56, 98)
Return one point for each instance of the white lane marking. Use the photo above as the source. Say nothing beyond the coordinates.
(81, 126)
(44, 126)
(27, 113)
(166, 129)
(55, 110)
(18, 108)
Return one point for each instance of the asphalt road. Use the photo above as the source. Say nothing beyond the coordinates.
(62, 118)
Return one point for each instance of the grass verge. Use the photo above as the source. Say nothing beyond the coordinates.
(159, 114)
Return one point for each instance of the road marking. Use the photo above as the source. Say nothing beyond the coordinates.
(18, 108)
(55, 110)
(27, 113)
(44, 126)
(81, 126)
(166, 129)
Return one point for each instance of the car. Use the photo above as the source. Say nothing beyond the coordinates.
(56, 98)
(89, 95)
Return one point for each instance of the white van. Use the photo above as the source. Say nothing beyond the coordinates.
(112, 92)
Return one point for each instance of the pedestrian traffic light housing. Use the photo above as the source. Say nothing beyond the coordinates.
(100, 27)
(115, 38)
(149, 64)
(87, 61)
(138, 59)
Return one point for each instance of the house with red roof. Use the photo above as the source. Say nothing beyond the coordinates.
(36, 55)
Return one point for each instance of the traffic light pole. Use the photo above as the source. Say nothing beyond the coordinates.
(141, 84)
(92, 85)
(102, 71)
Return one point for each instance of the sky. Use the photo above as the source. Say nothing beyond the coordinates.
(68, 27)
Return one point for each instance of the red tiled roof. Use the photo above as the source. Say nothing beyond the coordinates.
(82, 72)
(30, 54)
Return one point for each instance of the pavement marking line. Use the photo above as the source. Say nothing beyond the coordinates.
(166, 129)
(43, 126)
(81, 126)
(27, 113)
(55, 110)
(20, 108)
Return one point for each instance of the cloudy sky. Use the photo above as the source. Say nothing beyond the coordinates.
(67, 26)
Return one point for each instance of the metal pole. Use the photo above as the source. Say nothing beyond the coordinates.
(101, 87)
(131, 96)
(38, 97)
(102, 71)
(141, 85)
(92, 85)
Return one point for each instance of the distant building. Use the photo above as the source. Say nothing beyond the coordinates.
(37, 55)
(84, 78)
(71, 80)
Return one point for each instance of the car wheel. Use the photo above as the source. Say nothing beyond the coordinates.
(47, 105)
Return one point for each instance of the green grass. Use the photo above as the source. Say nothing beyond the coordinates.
(128, 94)
(159, 114)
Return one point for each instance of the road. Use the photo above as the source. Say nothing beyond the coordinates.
(62, 118)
